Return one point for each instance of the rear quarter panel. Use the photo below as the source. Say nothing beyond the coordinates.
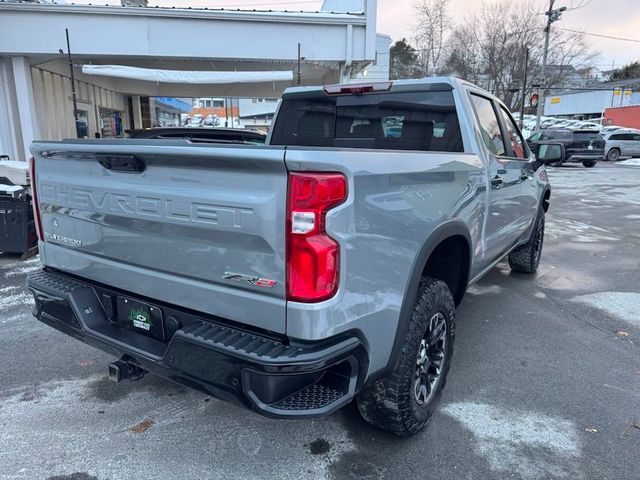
(395, 201)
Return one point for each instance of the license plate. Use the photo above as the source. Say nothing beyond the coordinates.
(140, 317)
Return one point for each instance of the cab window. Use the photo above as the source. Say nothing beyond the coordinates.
(489, 125)
(513, 135)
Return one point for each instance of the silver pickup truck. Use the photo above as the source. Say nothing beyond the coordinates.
(294, 277)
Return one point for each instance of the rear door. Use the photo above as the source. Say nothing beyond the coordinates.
(518, 151)
(636, 144)
(504, 220)
(623, 142)
(192, 225)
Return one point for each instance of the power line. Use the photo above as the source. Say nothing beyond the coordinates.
(634, 40)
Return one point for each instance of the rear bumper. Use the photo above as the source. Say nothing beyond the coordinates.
(583, 157)
(275, 376)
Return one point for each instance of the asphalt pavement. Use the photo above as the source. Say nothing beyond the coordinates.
(545, 381)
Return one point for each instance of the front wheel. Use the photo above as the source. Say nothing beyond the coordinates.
(525, 259)
(404, 400)
(590, 164)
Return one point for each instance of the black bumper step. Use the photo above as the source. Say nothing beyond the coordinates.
(315, 396)
(277, 377)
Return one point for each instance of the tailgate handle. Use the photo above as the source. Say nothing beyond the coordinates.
(121, 163)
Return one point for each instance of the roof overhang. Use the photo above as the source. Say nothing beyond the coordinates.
(33, 29)
(191, 39)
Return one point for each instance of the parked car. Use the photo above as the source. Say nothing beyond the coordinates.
(587, 126)
(211, 121)
(565, 124)
(622, 143)
(580, 146)
(613, 128)
(195, 121)
(549, 122)
(294, 278)
(202, 135)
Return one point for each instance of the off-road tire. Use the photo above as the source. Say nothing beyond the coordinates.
(613, 155)
(525, 259)
(590, 164)
(390, 402)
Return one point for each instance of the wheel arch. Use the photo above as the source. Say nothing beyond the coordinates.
(546, 196)
(453, 232)
(610, 149)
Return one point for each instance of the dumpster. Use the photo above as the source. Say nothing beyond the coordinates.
(17, 227)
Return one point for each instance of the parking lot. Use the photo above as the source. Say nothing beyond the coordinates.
(545, 381)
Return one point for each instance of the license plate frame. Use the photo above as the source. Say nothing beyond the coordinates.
(140, 317)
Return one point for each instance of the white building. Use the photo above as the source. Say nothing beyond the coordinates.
(592, 103)
(35, 89)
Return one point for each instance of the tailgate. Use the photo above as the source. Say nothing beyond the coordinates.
(196, 227)
(586, 140)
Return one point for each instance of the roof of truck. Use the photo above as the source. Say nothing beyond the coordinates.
(396, 85)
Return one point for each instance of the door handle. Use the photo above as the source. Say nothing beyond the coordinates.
(121, 163)
(497, 181)
(501, 171)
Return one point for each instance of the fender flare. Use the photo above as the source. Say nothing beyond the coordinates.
(446, 230)
(544, 200)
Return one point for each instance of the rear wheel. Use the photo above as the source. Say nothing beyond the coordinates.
(613, 155)
(590, 164)
(525, 259)
(404, 400)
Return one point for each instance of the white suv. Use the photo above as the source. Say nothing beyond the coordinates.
(621, 143)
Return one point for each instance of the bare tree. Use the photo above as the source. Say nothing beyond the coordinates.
(488, 48)
(433, 24)
(463, 59)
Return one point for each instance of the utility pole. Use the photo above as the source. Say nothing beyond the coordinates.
(524, 85)
(552, 16)
(299, 77)
(73, 87)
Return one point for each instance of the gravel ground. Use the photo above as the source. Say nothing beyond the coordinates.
(545, 381)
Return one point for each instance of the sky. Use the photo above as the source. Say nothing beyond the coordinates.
(620, 18)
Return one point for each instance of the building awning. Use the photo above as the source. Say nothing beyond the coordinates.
(186, 77)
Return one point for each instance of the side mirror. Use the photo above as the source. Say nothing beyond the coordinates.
(550, 152)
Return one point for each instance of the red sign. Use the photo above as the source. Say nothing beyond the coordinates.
(534, 100)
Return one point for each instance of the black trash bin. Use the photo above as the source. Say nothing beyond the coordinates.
(17, 228)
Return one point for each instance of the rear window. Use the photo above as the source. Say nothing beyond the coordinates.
(425, 121)
(587, 136)
(548, 135)
(563, 135)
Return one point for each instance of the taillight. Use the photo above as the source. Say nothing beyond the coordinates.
(313, 257)
(357, 88)
(34, 199)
